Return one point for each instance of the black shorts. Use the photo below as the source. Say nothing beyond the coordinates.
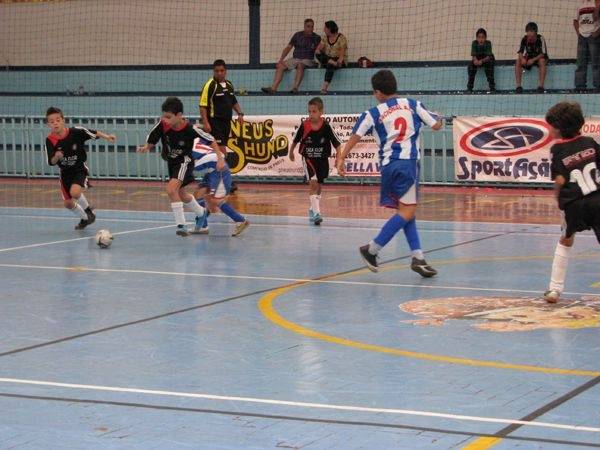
(583, 214)
(220, 129)
(182, 170)
(535, 64)
(316, 168)
(71, 177)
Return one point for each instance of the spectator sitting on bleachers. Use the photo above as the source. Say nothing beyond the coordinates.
(532, 52)
(304, 44)
(331, 52)
(482, 56)
(587, 26)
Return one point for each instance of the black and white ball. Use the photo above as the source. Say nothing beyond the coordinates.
(103, 238)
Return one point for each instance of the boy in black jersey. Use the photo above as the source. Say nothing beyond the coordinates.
(532, 52)
(576, 174)
(315, 137)
(177, 136)
(65, 148)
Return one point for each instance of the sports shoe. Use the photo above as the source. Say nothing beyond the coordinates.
(267, 90)
(318, 219)
(541, 90)
(91, 216)
(422, 268)
(369, 259)
(551, 296)
(519, 90)
(182, 231)
(311, 216)
(201, 225)
(82, 224)
(240, 227)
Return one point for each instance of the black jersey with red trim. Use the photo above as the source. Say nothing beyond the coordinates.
(177, 143)
(316, 143)
(72, 145)
(578, 161)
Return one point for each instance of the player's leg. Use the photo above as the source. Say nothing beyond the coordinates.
(298, 77)
(70, 203)
(173, 188)
(201, 222)
(280, 69)
(80, 183)
(559, 269)
(519, 73)
(310, 174)
(396, 180)
(582, 62)
(322, 172)
(543, 67)
(220, 186)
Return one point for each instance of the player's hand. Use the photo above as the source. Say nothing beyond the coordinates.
(143, 148)
(240, 119)
(207, 127)
(339, 163)
(59, 155)
(220, 164)
(292, 157)
(111, 138)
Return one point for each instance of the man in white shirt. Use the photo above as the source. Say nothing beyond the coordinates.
(587, 26)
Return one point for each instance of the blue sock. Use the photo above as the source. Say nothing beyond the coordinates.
(412, 235)
(389, 230)
(231, 213)
(202, 203)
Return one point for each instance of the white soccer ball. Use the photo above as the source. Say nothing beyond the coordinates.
(104, 238)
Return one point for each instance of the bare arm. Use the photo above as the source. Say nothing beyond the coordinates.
(285, 52)
(204, 116)
(354, 139)
(108, 137)
(292, 148)
(145, 148)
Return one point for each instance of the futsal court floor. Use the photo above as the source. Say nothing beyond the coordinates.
(280, 338)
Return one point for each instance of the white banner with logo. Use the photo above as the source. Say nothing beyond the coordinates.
(261, 146)
(506, 149)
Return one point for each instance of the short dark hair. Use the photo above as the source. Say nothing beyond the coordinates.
(331, 26)
(308, 20)
(481, 31)
(566, 117)
(531, 26)
(316, 101)
(172, 105)
(54, 110)
(218, 63)
(385, 82)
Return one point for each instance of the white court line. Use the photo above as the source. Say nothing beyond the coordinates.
(283, 279)
(266, 401)
(43, 244)
(328, 226)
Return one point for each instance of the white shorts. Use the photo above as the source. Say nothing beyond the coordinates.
(292, 63)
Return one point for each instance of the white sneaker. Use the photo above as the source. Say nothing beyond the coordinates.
(551, 296)
(239, 227)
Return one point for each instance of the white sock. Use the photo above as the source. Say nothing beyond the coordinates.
(374, 248)
(194, 206)
(177, 208)
(559, 267)
(418, 254)
(314, 203)
(82, 201)
(78, 211)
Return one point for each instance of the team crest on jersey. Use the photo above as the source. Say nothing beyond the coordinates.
(256, 143)
(504, 138)
(506, 314)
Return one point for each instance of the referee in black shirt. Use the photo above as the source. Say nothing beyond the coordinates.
(217, 103)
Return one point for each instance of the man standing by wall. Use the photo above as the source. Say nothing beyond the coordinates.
(587, 26)
(217, 103)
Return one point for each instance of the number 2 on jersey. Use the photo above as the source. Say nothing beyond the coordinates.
(400, 125)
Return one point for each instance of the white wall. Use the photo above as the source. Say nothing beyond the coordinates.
(422, 30)
(106, 32)
(90, 32)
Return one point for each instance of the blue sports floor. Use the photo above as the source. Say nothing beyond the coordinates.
(279, 338)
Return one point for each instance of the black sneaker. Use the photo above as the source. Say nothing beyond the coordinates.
(234, 187)
(519, 90)
(541, 90)
(82, 224)
(369, 259)
(91, 216)
(182, 231)
(422, 268)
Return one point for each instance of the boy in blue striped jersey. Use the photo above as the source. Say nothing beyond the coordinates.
(396, 124)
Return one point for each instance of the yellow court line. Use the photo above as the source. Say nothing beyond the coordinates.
(265, 305)
(482, 443)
